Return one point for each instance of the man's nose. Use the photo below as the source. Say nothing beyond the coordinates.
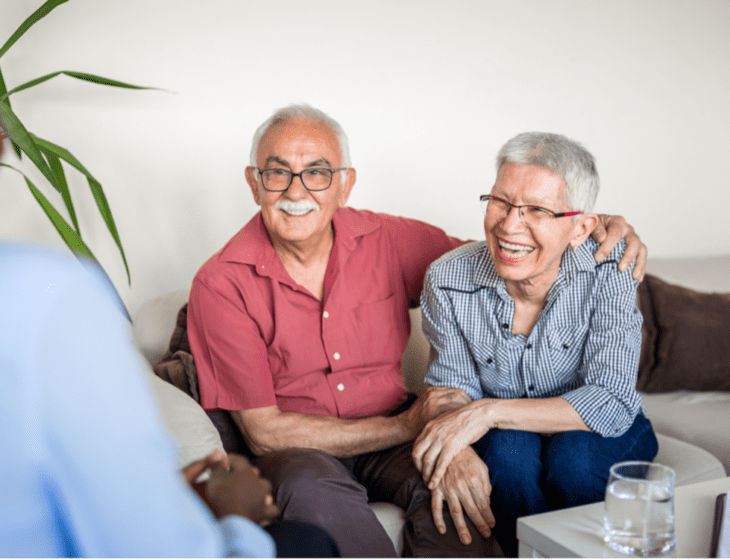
(296, 190)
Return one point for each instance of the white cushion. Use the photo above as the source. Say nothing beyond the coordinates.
(702, 418)
(153, 325)
(188, 424)
(690, 463)
(391, 518)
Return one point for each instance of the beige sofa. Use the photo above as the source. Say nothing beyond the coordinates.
(692, 425)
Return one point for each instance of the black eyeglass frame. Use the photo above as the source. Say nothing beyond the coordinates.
(301, 177)
(487, 197)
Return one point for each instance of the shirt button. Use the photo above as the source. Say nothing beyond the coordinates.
(340, 387)
(336, 356)
(489, 360)
(325, 314)
(505, 325)
(565, 346)
(531, 388)
(529, 346)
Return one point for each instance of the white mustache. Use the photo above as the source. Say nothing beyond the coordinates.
(296, 208)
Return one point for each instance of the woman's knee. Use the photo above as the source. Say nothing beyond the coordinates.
(511, 453)
(576, 469)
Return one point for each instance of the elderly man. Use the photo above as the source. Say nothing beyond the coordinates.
(298, 326)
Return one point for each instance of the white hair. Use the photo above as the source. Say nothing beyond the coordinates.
(561, 155)
(301, 111)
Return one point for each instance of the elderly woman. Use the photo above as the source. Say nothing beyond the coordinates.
(542, 338)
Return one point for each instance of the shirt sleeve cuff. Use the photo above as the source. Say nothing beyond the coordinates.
(244, 539)
(600, 411)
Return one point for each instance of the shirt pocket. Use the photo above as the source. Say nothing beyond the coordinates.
(381, 331)
(496, 365)
(566, 350)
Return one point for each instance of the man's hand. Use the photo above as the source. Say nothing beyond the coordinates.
(433, 402)
(466, 488)
(240, 491)
(608, 232)
(196, 468)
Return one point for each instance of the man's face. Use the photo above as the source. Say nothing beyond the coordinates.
(296, 145)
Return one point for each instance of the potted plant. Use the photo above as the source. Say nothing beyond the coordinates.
(51, 159)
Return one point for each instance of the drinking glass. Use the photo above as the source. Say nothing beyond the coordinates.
(639, 513)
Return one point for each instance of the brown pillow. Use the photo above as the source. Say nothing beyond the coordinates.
(686, 342)
(177, 367)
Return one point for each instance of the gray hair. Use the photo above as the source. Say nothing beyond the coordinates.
(560, 155)
(301, 111)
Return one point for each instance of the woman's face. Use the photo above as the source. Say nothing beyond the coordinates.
(529, 255)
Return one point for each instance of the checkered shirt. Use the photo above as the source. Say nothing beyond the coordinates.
(584, 347)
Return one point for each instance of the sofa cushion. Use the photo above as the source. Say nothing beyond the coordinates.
(686, 344)
(191, 429)
(699, 418)
(176, 365)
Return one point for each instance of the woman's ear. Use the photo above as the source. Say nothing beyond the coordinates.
(583, 228)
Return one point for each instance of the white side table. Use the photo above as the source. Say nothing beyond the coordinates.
(578, 532)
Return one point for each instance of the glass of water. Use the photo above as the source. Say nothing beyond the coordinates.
(639, 514)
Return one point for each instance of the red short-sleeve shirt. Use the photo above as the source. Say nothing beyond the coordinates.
(259, 339)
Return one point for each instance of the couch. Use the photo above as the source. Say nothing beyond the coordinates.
(687, 396)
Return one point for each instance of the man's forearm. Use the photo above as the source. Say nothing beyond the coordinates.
(268, 429)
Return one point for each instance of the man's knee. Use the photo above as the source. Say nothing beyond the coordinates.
(308, 476)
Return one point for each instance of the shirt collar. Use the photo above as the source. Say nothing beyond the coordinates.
(572, 262)
(252, 244)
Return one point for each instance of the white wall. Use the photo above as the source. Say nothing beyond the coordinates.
(427, 91)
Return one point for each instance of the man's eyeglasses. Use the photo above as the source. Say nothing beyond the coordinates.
(496, 208)
(315, 179)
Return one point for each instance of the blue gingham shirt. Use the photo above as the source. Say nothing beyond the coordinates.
(584, 347)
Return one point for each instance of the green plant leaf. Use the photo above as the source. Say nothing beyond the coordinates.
(34, 18)
(96, 190)
(55, 164)
(67, 233)
(6, 100)
(79, 76)
(20, 136)
(70, 237)
(106, 212)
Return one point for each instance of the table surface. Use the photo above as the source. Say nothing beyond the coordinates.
(578, 532)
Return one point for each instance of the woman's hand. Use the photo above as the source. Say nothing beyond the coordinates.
(444, 437)
(432, 402)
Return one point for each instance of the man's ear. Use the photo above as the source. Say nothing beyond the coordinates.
(583, 228)
(350, 177)
(253, 183)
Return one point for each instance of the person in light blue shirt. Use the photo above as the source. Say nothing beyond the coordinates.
(86, 466)
(543, 340)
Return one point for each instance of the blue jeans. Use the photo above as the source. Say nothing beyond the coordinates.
(531, 473)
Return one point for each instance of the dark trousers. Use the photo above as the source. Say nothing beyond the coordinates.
(296, 539)
(531, 473)
(312, 486)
